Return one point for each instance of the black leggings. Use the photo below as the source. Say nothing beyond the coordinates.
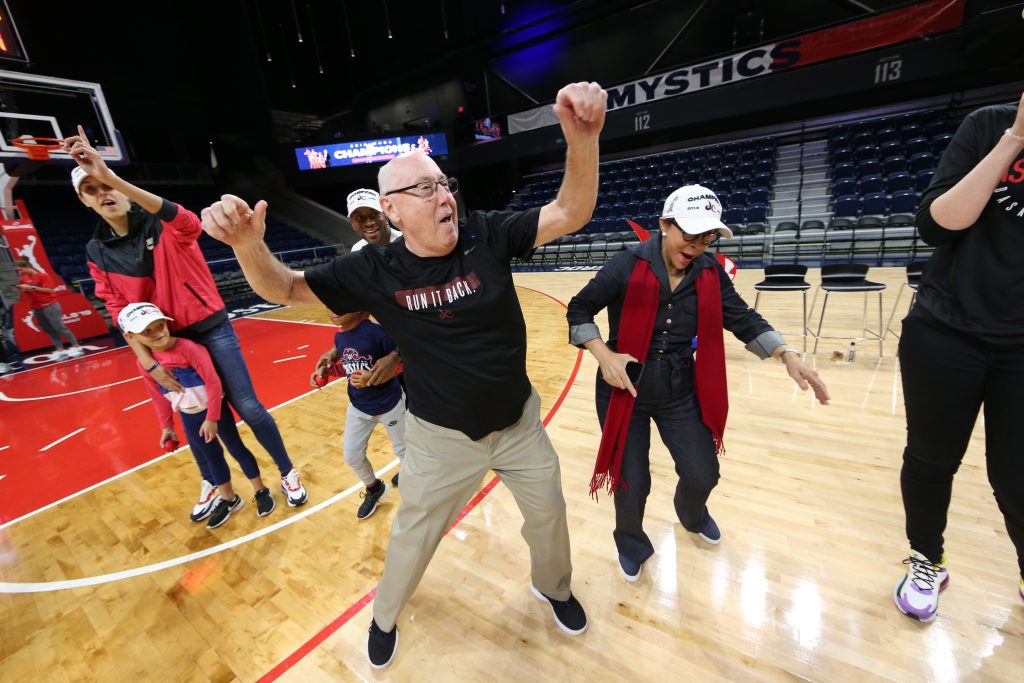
(947, 377)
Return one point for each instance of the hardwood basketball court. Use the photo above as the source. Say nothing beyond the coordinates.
(96, 587)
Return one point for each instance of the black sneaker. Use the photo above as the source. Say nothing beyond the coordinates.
(568, 614)
(264, 502)
(631, 569)
(381, 646)
(371, 497)
(223, 511)
(394, 480)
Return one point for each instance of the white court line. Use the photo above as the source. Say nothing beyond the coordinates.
(47, 586)
(293, 322)
(135, 405)
(62, 439)
(5, 397)
(282, 360)
(304, 346)
(4, 448)
(2, 476)
(127, 472)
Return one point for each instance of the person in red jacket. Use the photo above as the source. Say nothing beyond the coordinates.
(38, 289)
(145, 249)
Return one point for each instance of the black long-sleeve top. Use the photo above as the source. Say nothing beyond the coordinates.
(676, 322)
(974, 282)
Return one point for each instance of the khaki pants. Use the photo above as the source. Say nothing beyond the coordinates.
(442, 470)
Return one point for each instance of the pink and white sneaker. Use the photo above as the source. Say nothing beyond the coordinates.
(293, 489)
(917, 593)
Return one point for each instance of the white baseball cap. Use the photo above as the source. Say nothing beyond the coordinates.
(78, 174)
(363, 197)
(136, 317)
(696, 210)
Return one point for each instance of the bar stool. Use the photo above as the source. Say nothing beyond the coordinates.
(850, 277)
(786, 278)
(914, 271)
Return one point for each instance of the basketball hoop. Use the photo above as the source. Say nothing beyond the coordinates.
(38, 149)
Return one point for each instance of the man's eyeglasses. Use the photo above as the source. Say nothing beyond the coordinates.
(427, 189)
(705, 238)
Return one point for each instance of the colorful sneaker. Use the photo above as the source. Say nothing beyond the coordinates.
(709, 531)
(264, 502)
(371, 497)
(207, 499)
(631, 569)
(223, 511)
(568, 614)
(293, 489)
(381, 646)
(917, 593)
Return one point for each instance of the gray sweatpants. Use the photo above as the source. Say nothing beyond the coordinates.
(51, 319)
(359, 426)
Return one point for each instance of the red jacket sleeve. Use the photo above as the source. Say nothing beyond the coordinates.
(164, 412)
(180, 224)
(114, 301)
(199, 359)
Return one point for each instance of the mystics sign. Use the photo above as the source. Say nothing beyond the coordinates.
(889, 28)
(313, 158)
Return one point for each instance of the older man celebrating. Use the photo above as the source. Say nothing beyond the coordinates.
(445, 294)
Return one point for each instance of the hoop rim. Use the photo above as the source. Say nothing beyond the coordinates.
(36, 151)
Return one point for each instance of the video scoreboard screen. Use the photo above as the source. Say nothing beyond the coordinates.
(316, 157)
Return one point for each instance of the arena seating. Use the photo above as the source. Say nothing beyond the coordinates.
(873, 174)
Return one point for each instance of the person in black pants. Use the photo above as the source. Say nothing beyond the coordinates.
(963, 344)
(660, 295)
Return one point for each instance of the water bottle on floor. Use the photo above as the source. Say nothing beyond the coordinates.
(851, 353)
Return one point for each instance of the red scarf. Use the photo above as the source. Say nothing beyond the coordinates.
(636, 326)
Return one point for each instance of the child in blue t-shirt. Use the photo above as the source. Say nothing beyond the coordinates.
(367, 356)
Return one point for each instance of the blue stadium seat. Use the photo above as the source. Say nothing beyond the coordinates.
(735, 215)
(847, 205)
(757, 213)
(894, 163)
(917, 145)
(863, 152)
(868, 167)
(760, 195)
(890, 148)
(737, 197)
(922, 179)
(842, 154)
(844, 186)
(870, 184)
(875, 203)
(904, 201)
(844, 169)
(899, 181)
(921, 161)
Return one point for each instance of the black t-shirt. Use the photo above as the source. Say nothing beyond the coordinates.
(974, 282)
(456, 319)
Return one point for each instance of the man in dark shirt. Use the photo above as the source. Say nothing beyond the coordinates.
(445, 294)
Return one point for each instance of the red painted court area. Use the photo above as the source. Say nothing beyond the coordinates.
(69, 426)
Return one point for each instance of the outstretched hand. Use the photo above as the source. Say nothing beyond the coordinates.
(806, 378)
(86, 156)
(232, 221)
(580, 108)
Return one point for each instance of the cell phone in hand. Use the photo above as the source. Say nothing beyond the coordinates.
(634, 370)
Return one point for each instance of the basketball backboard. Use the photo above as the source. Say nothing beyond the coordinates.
(48, 107)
